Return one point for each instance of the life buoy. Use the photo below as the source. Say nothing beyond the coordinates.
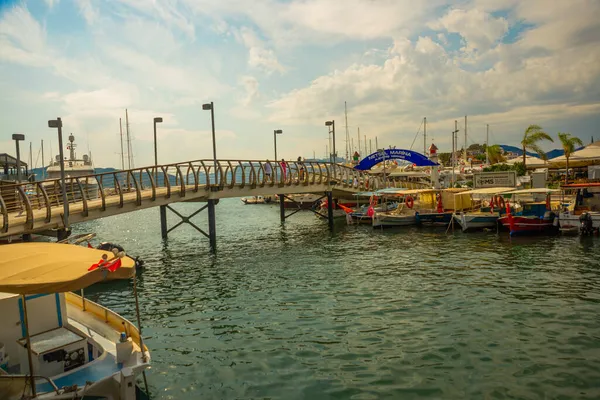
(501, 203)
(409, 201)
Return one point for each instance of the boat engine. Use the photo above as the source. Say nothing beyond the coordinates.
(585, 224)
(107, 246)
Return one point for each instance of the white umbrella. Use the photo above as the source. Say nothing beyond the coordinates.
(531, 162)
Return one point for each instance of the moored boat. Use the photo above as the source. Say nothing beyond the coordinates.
(534, 217)
(58, 345)
(482, 209)
(582, 213)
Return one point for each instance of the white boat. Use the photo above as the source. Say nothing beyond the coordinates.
(75, 168)
(585, 200)
(56, 344)
(479, 208)
(412, 205)
(257, 200)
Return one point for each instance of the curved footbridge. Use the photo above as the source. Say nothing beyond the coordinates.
(36, 207)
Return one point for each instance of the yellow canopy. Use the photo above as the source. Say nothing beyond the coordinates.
(34, 268)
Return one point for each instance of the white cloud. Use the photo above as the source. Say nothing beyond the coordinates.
(51, 3)
(258, 55)
(87, 9)
(479, 29)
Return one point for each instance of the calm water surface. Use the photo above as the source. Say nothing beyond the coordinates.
(295, 312)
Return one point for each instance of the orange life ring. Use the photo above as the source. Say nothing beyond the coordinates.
(409, 201)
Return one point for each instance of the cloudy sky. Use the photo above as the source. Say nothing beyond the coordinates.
(291, 65)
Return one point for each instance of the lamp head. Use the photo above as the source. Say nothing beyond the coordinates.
(55, 123)
(278, 131)
(18, 136)
(158, 119)
(328, 123)
(207, 106)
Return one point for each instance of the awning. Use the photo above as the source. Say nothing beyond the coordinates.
(589, 155)
(492, 190)
(530, 191)
(531, 162)
(35, 268)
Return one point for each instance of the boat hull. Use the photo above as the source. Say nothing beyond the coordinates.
(528, 225)
(567, 220)
(435, 219)
(474, 221)
(381, 220)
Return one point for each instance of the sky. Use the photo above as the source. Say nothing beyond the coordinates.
(292, 65)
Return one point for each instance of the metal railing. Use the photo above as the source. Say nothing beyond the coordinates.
(135, 185)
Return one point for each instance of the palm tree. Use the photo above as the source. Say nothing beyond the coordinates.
(534, 134)
(568, 144)
(495, 154)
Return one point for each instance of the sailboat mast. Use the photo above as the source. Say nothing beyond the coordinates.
(365, 143)
(43, 163)
(424, 135)
(465, 152)
(122, 154)
(129, 156)
(30, 156)
(347, 133)
(487, 139)
(358, 136)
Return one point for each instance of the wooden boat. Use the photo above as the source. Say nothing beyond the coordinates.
(257, 200)
(481, 209)
(534, 217)
(582, 212)
(58, 345)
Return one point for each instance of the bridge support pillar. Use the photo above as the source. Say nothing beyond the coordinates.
(330, 210)
(212, 226)
(163, 222)
(281, 207)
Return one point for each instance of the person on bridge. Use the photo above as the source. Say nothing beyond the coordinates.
(301, 169)
(283, 169)
(268, 171)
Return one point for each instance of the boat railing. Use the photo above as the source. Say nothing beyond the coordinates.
(114, 320)
(24, 382)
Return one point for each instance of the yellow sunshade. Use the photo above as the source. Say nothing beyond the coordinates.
(33, 268)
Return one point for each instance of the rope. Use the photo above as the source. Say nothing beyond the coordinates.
(417, 135)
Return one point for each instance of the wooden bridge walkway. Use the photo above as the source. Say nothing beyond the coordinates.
(34, 207)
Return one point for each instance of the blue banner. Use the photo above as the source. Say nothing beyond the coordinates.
(395, 154)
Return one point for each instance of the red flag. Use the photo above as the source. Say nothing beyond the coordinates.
(370, 211)
(90, 246)
(97, 265)
(114, 266)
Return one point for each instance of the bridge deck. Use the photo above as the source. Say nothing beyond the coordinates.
(34, 207)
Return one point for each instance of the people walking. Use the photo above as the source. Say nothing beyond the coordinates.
(268, 171)
(300, 169)
(283, 169)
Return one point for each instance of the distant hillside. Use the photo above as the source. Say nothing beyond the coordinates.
(551, 154)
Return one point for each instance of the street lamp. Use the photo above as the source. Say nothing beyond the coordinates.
(210, 106)
(157, 120)
(17, 137)
(57, 123)
(275, 133)
(332, 124)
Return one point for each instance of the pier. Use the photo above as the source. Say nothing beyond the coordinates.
(37, 207)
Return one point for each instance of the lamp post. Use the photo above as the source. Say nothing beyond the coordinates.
(18, 137)
(157, 120)
(57, 123)
(332, 124)
(210, 106)
(275, 133)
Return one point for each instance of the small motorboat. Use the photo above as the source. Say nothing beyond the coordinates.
(257, 200)
(62, 345)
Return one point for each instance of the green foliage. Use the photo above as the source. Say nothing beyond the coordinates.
(533, 135)
(518, 167)
(476, 148)
(495, 154)
(569, 142)
(444, 158)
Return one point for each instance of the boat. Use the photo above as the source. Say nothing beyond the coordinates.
(481, 209)
(582, 213)
(439, 207)
(339, 211)
(257, 200)
(57, 344)
(74, 168)
(304, 201)
(532, 212)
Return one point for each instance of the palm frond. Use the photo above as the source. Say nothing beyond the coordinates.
(568, 142)
(537, 149)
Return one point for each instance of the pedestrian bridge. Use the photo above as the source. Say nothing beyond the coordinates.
(38, 206)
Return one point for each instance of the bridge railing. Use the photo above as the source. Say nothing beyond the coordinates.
(23, 200)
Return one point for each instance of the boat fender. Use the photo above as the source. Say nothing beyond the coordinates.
(410, 202)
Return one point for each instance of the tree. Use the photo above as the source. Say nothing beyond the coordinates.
(568, 144)
(495, 154)
(444, 158)
(533, 134)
